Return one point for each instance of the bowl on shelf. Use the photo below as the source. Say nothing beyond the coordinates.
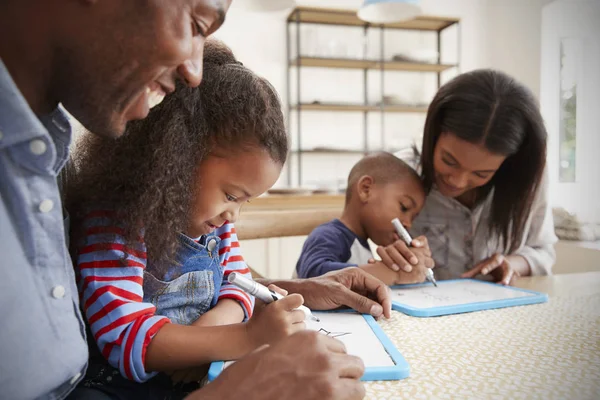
(418, 56)
(296, 191)
(424, 56)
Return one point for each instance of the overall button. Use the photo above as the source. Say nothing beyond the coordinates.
(58, 292)
(74, 379)
(212, 243)
(1, 135)
(37, 147)
(46, 206)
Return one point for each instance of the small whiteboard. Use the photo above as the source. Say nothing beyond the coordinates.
(459, 296)
(362, 336)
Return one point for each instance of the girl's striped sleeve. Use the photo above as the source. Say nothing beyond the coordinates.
(232, 261)
(110, 283)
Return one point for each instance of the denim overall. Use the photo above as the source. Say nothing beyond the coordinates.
(189, 288)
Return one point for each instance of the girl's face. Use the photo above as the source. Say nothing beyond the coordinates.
(461, 166)
(224, 182)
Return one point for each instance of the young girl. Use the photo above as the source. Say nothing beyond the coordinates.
(482, 163)
(154, 239)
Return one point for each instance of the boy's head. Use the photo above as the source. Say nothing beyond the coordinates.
(382, 187)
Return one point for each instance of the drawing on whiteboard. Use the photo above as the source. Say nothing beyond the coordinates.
(453, 293)
(430, 296)
(333, 334)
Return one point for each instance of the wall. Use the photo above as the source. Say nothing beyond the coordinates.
(577, 20)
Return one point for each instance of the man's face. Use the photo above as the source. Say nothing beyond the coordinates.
(129, 55)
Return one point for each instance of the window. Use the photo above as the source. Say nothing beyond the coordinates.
(569, 55)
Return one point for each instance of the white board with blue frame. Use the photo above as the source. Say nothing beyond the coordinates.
(362, 336)
(459, 296)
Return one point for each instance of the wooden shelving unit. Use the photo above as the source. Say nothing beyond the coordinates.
(369, 64)
(391, 108)
(333, 16)
(348, 18)
(329, 151)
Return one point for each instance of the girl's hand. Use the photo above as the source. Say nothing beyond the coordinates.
(260, 305)
(501, 268)
(276, 321)
(398, 256)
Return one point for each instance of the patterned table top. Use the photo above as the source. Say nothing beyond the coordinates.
(544, 351)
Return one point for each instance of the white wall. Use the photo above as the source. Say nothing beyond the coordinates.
(576, 20)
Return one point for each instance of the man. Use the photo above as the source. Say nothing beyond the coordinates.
(108, 62)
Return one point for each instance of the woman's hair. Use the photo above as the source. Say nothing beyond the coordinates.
(492, 109)
(148, 174)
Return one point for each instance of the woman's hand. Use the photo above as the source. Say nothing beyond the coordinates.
(398, 256)
(504, 269)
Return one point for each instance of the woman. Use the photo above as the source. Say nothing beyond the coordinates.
(482, 164)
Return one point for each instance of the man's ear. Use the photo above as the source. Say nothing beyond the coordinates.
(364, 187)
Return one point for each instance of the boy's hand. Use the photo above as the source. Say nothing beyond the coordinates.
(276, 321)
(417, 275)
(398, 256)
(389, 277)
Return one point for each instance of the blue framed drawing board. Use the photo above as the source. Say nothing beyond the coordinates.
(362, 336)
(459, 296)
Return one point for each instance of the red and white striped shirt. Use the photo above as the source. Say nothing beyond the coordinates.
(110, 283)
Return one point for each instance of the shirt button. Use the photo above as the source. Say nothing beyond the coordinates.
(46, 206)
(58, 292)
(74, 379)
(37, 147)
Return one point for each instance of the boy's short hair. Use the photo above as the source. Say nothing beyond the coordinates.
(383, 167)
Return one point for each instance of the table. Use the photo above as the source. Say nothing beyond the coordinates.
(543, 351)
(287, 215)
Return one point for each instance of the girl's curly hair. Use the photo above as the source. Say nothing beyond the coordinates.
(147, 174)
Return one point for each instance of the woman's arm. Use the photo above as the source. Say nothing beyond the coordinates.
(538, 246)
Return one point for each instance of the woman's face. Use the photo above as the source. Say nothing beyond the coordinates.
(460, 166)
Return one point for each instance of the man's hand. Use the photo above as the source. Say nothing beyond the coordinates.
(351, 287)
(304, 366)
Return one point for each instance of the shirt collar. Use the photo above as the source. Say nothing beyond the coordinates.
(18, 123)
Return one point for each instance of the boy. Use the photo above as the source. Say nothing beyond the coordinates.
(381, 187)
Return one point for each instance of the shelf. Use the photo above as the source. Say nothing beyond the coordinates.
(328, 151)
(392, 108)
(351, 63)
(331, 16)
(325, 150)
